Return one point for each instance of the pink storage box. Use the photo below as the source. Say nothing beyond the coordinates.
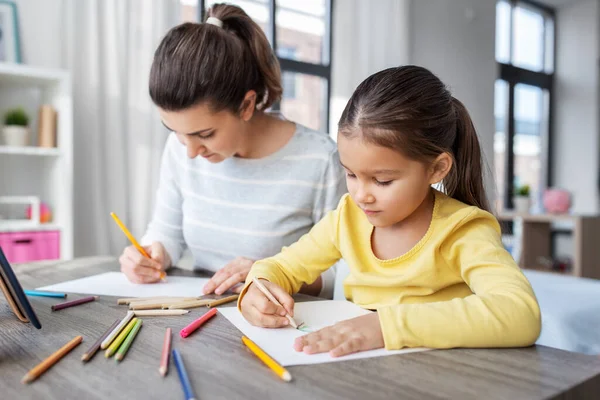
(20, 247)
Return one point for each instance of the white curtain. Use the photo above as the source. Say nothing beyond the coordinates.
(108, 46)
(368, 36)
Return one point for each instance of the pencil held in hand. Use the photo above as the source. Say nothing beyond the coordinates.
(272, 298)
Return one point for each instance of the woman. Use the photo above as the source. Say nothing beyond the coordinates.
(260, 182)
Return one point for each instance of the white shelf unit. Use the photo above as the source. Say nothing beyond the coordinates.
(34, 171)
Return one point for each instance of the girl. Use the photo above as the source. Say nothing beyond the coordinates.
(430, 263)
(237, 183)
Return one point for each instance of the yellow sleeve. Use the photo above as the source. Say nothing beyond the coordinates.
(303, 261)
(502, 312)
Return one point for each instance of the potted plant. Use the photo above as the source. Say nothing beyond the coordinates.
(521, 201)
(16, 127)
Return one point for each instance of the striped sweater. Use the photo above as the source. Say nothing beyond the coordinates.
(245, 207)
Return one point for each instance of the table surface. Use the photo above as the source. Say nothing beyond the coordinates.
(220, 367)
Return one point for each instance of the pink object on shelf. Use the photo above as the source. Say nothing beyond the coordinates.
(557, 201)
(20, 247)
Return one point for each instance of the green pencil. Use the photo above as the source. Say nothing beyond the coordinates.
(117, 342)
(127, 343)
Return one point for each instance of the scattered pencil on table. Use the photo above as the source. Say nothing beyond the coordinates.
(72, 303)
(224, 300)
(92, 350)
(267, 360)
(183, 376)
(42, 367)
(116, 331)
(146, 305)
(270, 296)
(133, 241)
(40, 293)
(128, 340)
(129, 300)
(164, 358)
(159, 313)
(188, 330)
(112, 349)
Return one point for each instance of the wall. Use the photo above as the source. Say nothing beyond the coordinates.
(576, 144)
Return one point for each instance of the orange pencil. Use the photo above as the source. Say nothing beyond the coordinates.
(50, 361)
(133, 241)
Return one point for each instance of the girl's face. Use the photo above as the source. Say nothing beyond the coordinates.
(386, 185)
(214, 136)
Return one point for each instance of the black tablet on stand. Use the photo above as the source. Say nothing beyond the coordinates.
(10, 286)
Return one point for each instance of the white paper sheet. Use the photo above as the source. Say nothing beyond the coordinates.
(116, 284)
(278, 343)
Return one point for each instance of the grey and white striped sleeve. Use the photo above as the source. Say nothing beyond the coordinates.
(166, 225)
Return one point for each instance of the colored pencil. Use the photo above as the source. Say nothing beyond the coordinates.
(72, 303)
(128, 340)
(133, 241)
(116, 331)
(129, 300)
(159, 313)
(51, 360)
(164, 358)
(188, 330)
(92, 350)
(267, 360)
(44, 294)
(112, 349)
(146, 305)
(270, 296)
(183, 376)
(224, 300)
(190, 303)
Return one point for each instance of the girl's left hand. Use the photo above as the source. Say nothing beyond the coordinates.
(346, 337)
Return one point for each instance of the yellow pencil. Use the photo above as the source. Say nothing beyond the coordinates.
(133, 241)
(265, 358)
(117, 342)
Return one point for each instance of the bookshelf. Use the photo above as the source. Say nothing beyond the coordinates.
(536, 240)
(46, 173)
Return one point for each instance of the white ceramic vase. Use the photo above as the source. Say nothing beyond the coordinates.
(522, 204)
(15, 135)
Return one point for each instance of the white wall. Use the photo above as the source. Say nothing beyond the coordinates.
(576, 144)
(456, 40)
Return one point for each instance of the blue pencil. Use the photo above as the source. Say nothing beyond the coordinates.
(44, 294)
(183, 376)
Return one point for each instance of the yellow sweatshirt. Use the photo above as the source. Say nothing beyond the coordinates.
(457, 287)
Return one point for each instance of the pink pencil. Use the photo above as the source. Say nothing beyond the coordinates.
(187, 331)
(72, 303)
(164, 358)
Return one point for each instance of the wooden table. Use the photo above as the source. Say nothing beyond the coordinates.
(221, 368)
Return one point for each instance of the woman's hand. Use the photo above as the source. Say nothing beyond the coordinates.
(346, 337)
(260, 311)
(140, 269)
(229, 276)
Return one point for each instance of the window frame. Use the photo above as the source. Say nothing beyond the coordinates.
(322, 70)
(514, 75)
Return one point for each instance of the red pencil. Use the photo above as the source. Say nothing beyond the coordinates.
(164, 358)
(72, 303)
(187, 331)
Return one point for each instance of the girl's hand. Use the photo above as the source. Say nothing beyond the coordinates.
(346, 337)
(140, 269)
(230, 275)
(260, 311)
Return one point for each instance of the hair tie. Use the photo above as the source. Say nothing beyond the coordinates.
(214, 21)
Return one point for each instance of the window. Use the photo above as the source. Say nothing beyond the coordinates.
(300, 34)
(523, 94)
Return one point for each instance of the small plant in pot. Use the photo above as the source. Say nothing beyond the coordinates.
(521, 200)
(16, 128)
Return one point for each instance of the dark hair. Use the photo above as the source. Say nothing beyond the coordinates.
(410, 110)
(197, 63)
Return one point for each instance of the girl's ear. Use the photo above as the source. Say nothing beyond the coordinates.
(440, 168)
(248, 106)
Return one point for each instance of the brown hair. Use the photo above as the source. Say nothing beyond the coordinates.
(197, 63)
(410, 110)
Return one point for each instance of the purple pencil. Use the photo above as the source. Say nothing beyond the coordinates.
(72, 303)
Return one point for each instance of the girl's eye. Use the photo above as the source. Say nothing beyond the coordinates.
(207, 135)
(382, 183)
(350, 175)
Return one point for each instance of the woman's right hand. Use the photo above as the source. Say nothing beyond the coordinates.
(140, 269)
(260, 311)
